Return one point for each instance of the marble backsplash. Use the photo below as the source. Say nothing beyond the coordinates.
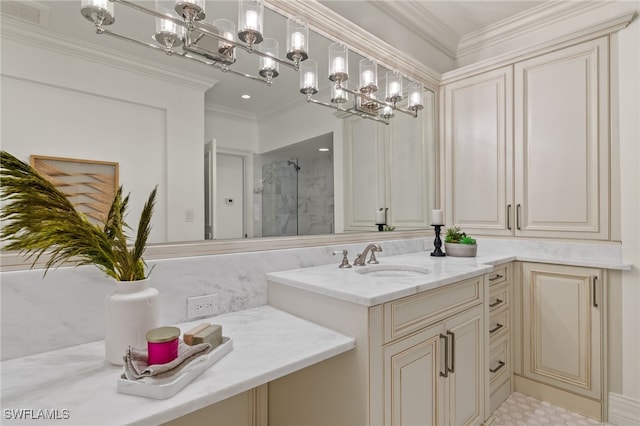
(65, 308)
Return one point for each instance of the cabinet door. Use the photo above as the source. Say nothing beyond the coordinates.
(478, 150)
(562, 143)
(412, 384)
(364, 173)
(561, 327)
(408, 180)
(465, 387)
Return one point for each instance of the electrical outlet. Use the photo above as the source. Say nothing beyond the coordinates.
(202, 306)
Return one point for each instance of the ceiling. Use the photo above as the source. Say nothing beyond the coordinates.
(415, 26)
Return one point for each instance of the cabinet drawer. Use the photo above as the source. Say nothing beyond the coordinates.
(498, 324)
(404, 316)
(498, 297)
(499, 363)
(499, 275)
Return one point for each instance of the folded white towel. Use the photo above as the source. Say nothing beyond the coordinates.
(136, 362)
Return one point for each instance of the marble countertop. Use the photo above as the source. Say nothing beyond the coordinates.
(369, 290)
(267, 344)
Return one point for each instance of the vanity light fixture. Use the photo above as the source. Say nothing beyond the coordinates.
(210, 44)
(366, 102)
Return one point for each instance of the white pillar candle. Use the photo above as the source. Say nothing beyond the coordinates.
(380, 218)
(437, 217)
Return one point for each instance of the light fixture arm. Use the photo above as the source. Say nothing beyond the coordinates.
(349, 111)
(365, 96)
(184, 55)
(207, 29)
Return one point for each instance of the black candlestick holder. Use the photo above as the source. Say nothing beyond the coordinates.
(381, 227)
(437, 243)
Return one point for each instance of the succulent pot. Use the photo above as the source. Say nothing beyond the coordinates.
(460, 250)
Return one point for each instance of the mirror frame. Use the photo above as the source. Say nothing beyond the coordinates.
(325, 22)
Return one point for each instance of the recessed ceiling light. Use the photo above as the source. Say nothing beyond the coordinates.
(323, 149)
(245, 96)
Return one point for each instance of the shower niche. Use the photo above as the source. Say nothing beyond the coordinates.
(294, 189)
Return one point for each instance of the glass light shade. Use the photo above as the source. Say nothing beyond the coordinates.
(339, 96)
(297, 39)
(368, 75)
(190, 10)
(415, 96)
(250, 20)
(227, 29)
(309, 77)
(386, 112)
(394, 87)
(98, 11)
(338, 62)
(168, 34)
(269, 68)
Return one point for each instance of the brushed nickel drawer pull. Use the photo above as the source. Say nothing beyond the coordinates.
(446, 355)
(496, 328)
(500, 365)
(453, 351)
(497, 277)
(496, 303)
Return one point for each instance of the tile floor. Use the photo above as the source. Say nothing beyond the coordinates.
(523, 410)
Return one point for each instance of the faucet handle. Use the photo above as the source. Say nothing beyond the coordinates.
(345, 259)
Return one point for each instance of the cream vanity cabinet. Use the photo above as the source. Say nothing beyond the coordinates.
(386, 166)
(434, 374)
(527, 146)
(500, 336)
(420, 359)
(561, 347)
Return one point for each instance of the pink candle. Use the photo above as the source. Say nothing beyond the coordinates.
(162, 344)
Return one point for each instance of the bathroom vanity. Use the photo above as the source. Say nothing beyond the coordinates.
(446, 340)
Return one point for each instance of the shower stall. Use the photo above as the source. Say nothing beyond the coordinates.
(280, 198)
(294, 190)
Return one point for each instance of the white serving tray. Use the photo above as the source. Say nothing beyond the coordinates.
(167, 387)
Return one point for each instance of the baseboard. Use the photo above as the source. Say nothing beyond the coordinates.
(562, 398)
(623, 411)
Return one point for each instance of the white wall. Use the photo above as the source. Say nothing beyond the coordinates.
(56, 103)
(231, 130)
(629, 133)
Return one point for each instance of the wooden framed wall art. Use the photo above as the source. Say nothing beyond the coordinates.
(90, 185)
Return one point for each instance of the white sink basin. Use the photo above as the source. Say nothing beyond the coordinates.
(392, 271)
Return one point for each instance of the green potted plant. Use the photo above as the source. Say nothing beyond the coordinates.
(37, 218)
(459, 244)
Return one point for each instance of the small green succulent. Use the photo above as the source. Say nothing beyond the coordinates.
(467, 240)
(456, 236)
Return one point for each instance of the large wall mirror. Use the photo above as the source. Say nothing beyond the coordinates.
(228, 168)
(279, 166)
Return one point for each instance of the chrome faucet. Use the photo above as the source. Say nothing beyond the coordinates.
(373, 248)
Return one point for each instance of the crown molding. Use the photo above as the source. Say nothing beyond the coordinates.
(16, 30)
(591, 32)
(416, 18)
(328, 23)
(546, 14)
(229, 113)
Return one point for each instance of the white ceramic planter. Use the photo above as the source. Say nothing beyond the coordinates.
(129, 313)
(461, 250)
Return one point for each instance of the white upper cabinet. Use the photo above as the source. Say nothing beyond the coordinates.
(562, 143)
(478, 141)
(550, 179)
